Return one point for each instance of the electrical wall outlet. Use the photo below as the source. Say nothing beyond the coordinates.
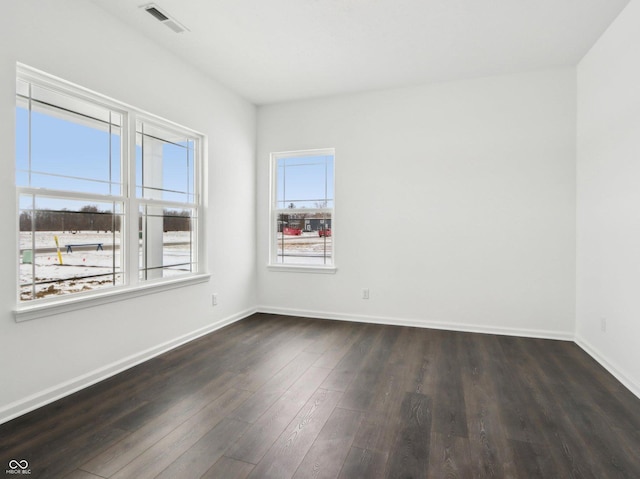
(214, 299)
(365, 293)
(603, 325)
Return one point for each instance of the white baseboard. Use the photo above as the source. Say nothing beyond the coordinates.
(421, 323)
(59, 391)
(611, 368)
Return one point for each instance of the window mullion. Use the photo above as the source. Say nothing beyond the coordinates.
(132, 245)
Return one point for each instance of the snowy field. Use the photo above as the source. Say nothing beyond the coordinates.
(308, 248)
(45, 239)
(84, 268)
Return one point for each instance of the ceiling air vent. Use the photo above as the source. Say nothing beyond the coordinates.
(163, 17)
(156, 13)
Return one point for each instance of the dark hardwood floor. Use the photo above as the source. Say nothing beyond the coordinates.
(282, 397)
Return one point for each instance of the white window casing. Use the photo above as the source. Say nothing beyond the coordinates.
(150, 227)
(302, 211)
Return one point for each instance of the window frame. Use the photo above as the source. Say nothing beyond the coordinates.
(274, 211)
(129, 235)
(172, 128)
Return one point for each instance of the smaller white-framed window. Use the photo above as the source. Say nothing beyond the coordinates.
(302, 212)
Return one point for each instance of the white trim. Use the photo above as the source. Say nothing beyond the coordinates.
(31, 74)
(78, 301)
(288, 268)
(294, 211)
(614, 370)
(310, 152)
(69, 195)
(49, 395)
(421, 323)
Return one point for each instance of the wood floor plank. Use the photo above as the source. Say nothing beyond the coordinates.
(369, 369)
(489, 452)
(562, 444)
(421, 371)
(327, 454)
(343, 344)
(120, 454)
(364, 463)
(286, 454)
(357, 351)
(449, 410)
(328, 335)
(200, 457)
(274, 387)
(227, 468)
(257, 354)
(410, 455)
(382, 420)
(257, 440)
(606, 459)
(450, 457)
(568, 422)
(284, 356)
(339, 380)
(519, 418)
(78, 474)
(150, 462)
(73, 416)
(46, 462)
(594, 382)
(528, 457)
(238, 337)
(185, 368)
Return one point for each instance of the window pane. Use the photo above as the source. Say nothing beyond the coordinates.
(44, 96)
(304, 238)
(167, 242)
(304, 182)
(165, 165)
(64, 150)
(68, 246)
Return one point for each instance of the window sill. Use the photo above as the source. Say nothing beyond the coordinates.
(26, 313)
(302, 269)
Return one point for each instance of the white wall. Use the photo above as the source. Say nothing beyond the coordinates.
(608, 192)
(77, 41)
(455, 204)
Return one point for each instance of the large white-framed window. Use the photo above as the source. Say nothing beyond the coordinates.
(302, 212)
(109, 197)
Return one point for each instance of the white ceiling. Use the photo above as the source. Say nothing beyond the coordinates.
(276, 50)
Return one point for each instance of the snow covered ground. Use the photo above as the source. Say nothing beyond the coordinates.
(308, 248)
(84, 268)
(45, 239)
